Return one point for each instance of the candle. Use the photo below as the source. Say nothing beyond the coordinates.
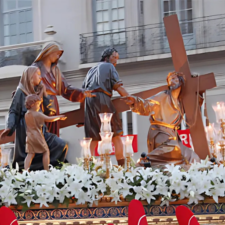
(85, 144)
(219, 110)
(106, 127)
(106, 142)
(210, 130)
(100, 148)
(106, 122)
(128, 148)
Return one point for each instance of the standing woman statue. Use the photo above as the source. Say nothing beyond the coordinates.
(55, 82)
(30, 83)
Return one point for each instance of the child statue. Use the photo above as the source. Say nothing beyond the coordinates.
(35, 141)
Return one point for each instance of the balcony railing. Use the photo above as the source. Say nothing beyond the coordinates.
(200, 33)
(20, 54)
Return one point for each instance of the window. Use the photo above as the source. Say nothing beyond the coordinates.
(17, 21)
(110, 20)
(183, 8)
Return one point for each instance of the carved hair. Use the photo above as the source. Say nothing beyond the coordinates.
(31, 100)
(107, 53)
(180, 76)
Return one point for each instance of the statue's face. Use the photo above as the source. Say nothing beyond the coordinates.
(36, 78)
(36, 106)
(54, 56)
(174, 82)
(113, 58)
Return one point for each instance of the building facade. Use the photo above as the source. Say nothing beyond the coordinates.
(135, 28)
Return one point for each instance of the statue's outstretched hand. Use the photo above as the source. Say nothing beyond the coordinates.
(4, 133)
(129, 100)
(62, 117)
(88, 94)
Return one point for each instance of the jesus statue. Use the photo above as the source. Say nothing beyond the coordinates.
(166, 113)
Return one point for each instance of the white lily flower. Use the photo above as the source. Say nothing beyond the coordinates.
(148, 195)
(75, 188)
(42, 200)
(112, 184)
(62, 193)
(28, 199)
(215, 193)
(118, 175)
(10, 199)
(101, 187)
(125, 189)
(139, 193)
(183, 194)
(172, 168)
(4, 191)
(116, 196)
(131, 174)
(194, 197)
(145, 173)
(83, 198)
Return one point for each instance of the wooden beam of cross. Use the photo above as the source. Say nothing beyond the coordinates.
(181, 64)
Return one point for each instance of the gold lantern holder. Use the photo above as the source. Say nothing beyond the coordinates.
(107, 163)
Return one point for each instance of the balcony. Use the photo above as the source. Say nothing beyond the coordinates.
(20, 54)
(150, 42)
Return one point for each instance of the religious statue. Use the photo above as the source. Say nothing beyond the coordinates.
(35, 141)
(30, 83)
(166, 114)
(55, 82)
(102, 79)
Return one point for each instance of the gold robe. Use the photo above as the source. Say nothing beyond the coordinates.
(164, 144)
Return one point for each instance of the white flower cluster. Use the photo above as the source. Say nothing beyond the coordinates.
(44, 187)
(143, 184)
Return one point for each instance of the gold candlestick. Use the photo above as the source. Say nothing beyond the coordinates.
(222, 126)
(212, 147)
(128, 163)
(107, 162)
(86, 163)
(102, 158)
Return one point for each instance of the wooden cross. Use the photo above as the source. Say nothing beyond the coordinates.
(193, 85)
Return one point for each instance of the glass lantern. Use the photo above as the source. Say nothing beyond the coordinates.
(5, 157)
(219, 109)
(105, 122)
(106, 145)
(86, 152)
(127, 146)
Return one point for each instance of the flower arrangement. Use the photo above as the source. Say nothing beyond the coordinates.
(73, 183)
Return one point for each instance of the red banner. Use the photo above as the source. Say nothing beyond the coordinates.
(185, 137)
(134, 145)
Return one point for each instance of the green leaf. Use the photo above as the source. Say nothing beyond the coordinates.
(55, 203)
(25, 208)
(130, 197)
(66, 202)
